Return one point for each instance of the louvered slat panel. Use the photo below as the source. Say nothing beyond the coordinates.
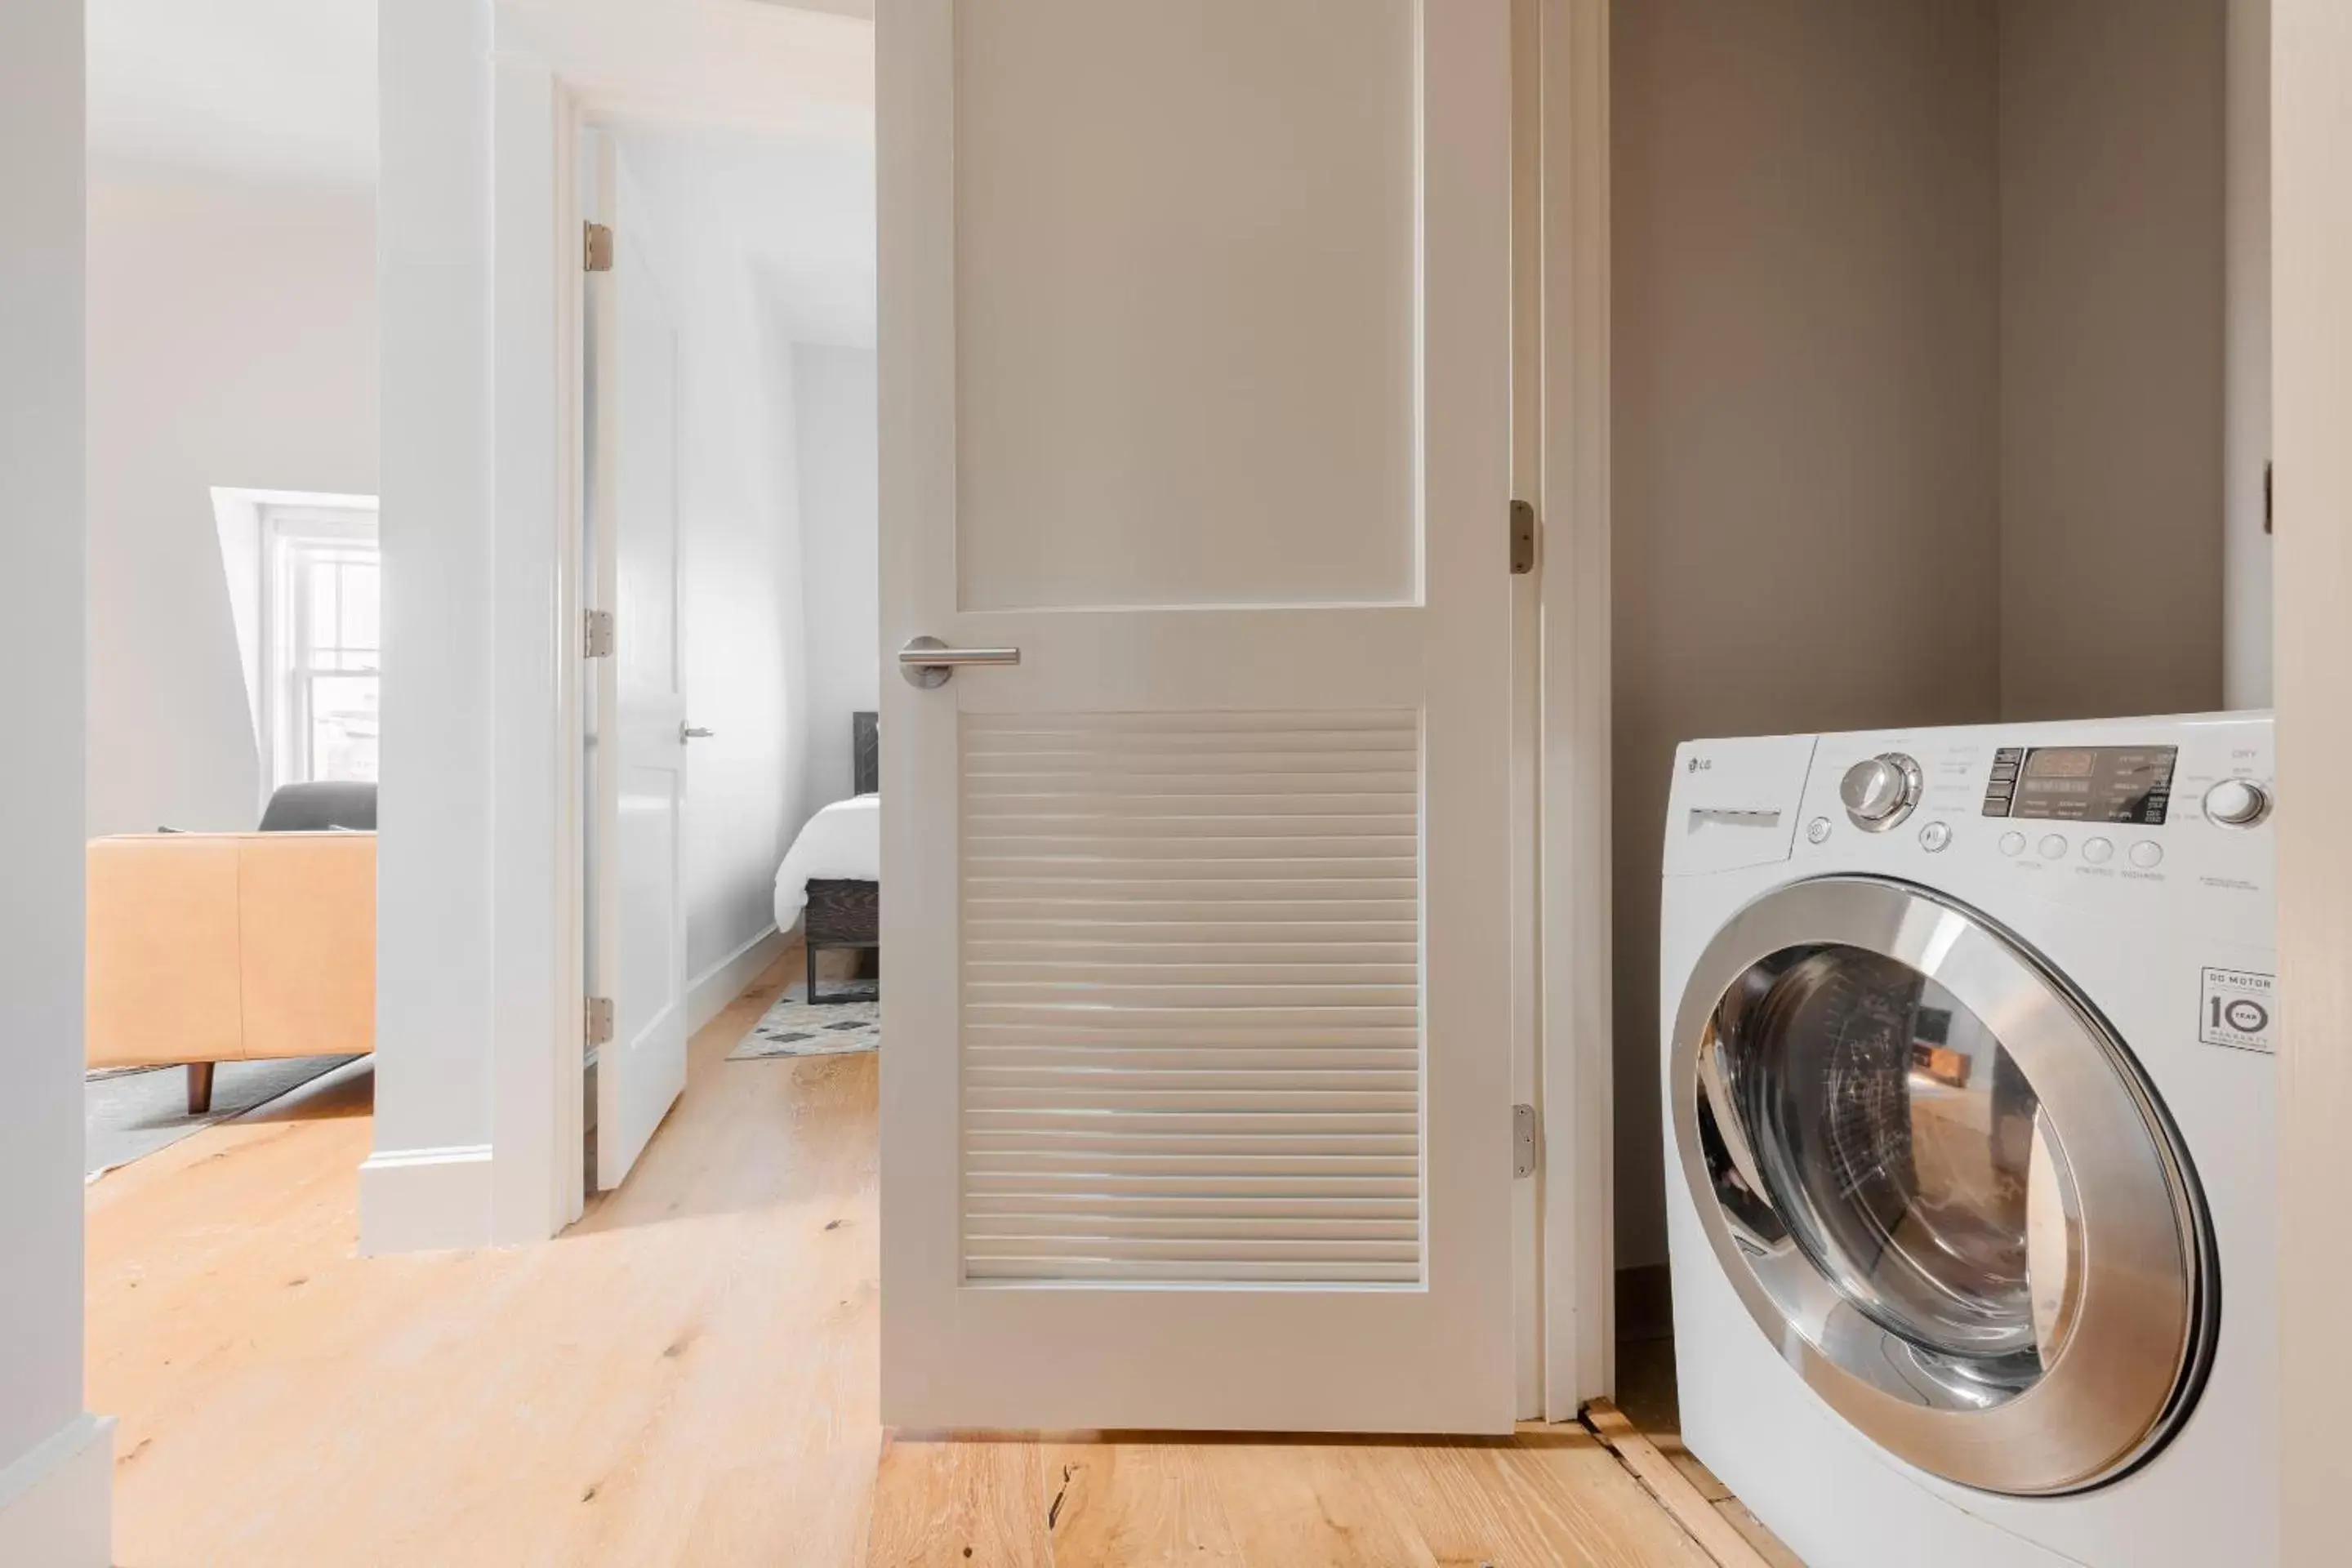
(1197, 1194)
(1038, 1071)
(1192, 999)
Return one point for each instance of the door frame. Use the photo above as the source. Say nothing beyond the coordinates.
(538, 295)
(577, 113)
(540, 120)
(2311, 135)
(541, 116)
(1576, 1002)
(546, 87)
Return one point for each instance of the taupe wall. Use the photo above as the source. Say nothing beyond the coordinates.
(1805, 328)
(2246, 618)
(2110, 350)
(1917, 414)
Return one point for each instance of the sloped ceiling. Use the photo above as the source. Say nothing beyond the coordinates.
(262, 90)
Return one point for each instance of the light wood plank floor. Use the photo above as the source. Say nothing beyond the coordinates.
(687, 1376)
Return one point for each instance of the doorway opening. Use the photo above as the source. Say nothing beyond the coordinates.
(726, 550)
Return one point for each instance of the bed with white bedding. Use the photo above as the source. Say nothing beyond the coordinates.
(843, 843)
(830, 880)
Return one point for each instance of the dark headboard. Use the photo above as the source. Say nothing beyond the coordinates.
(866, 751)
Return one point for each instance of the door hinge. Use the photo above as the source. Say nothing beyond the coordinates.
(1524, 1141)
(595, 248)
(1523, 538)
(597, 1018)
(597, 639)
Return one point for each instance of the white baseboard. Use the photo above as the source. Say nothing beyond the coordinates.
(437, 1200)
(56, 1502)
(709, 993)
(424, 1200)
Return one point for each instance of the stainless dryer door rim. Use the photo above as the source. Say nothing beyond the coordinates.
(2147, 1301)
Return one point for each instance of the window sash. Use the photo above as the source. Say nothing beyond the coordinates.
(316, 559)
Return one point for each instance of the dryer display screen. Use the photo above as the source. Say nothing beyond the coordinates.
(2083, 783)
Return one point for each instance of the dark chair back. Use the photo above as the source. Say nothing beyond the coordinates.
(321, 808)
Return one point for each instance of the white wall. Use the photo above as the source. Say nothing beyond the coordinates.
(1805, 320)
(741, 538)
(248, 361)
(835, 392)
(2246, 444)
(746, 678)
(2111, 351)
(778, 501)
(54, 1461)
(429, 1181)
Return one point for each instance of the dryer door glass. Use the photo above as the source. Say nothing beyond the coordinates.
(1977, 1238)
(1906, 1154)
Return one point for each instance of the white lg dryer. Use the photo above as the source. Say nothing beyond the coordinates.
(1970, 1102)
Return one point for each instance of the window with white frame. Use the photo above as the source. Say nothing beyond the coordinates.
(322, 641)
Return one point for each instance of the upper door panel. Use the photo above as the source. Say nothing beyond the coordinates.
(1187, 303)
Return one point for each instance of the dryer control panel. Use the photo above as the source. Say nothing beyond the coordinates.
(2101, 815)
(2082, 812)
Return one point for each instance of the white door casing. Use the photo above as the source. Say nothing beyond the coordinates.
(639, 779)
(1571, 209)
(1195, 389)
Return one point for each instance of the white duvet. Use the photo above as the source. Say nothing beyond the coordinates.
(843, 843)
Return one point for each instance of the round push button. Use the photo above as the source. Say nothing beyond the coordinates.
(1936, 837)
(2053, 848)
(2099, 851)
(2148, 854)
(1818, 831)
(2012, 843)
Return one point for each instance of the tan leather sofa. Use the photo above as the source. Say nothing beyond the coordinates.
(207, 948)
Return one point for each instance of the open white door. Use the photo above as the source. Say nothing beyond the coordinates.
(1195, 391)
(637, 923)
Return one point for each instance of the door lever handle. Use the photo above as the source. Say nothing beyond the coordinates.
(690, 732)
(928, 663)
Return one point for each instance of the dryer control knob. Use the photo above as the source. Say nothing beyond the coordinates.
(1880, 792)
(2237, 802)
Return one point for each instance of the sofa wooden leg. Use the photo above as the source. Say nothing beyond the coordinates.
(200, 1088)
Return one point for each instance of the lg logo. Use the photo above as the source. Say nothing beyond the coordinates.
(1699, 766)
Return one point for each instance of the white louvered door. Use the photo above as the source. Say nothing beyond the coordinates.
(1191, 989)
(1195, 336)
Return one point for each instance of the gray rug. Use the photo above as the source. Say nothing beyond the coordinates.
(129, 1113)
(794, 1028)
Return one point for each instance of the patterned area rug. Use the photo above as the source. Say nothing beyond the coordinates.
(831, 1029)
